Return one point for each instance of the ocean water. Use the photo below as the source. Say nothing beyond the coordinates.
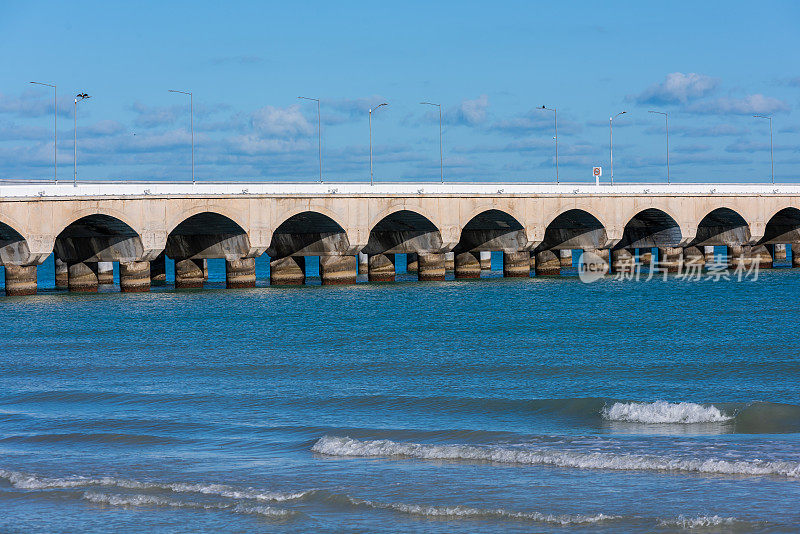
(493, 405)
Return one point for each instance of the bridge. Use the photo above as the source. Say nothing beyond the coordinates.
(534, 225)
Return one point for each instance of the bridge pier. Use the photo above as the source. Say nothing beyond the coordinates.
(598, 261)
(778, 253)
(759, 254)
(158, 270)
(622, 260)
(62, 274)
(486, 260)
(363, 263)
(694, 256)
(449, 261)
(645, 257)
(468, 265)
(20, 280)
(670, 259)
(431, 268)
(517, 264)
(240, 274)
(708, 252)
(412, 262)
(134, 276)
(288, 271)
(189, 274)
(83, 277)
(565, 255)
(105, 273)
(338, 270)
(381, 268)
(795, 254)
(547, 263)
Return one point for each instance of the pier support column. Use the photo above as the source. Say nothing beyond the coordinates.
(486, 260)
(363, 263)
(622, 260)
(134, 276)
(189, 274)
(708, 252)
(105, 273)
(289, 271)
(338, 270)
(795, 254)
(599, 260)
(83, 277)
(205, 270)
(736, 257)
(565, 256)
(645, 257)
(694, 256)
(670, 259)
(381, 268)
(158, 270)
(758, 254)
(547, 263)
(778, 253)
(240, 273)
(517, 264)
(412, 262)
(20, 280)
(468, 265)
(431, 268)
(62, 274)
(450, 261)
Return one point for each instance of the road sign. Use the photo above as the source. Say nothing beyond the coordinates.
(597, 172)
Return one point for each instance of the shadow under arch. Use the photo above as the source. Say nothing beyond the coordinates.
(722, 227)
(13, 246)
(207, 235)
(649, 228)
(309, 233)
(783, 227)
(404, 232)
(574, 229)
(98, 237)
(492, 230)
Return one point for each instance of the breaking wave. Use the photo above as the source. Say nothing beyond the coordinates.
(137, 500)
(661, 412)
(345, 446)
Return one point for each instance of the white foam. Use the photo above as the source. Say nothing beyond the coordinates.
(661, 412)
(136, 500)
(345, 446)
(698, 522)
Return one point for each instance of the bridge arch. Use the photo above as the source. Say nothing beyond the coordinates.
(722, 226)
(207, 235)
(14, 248)
(572, 229)
(492, 229)
(651, 227)
(98, 237)
(309, 233)
(783, 227)
(220, 209)
(403, 231)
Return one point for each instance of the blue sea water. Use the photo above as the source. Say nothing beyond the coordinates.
(492, 405)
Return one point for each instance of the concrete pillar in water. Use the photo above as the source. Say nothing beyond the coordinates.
(205, 270)
(431, 268)
(338, 270)
(778, 253)
(240, 273)
(449, 261)
(795, 254)
(289, 271)
(548, 262)
(381, 268)
(599, 261)
(694, 256)
(486, 260)
(134, 276)
(20, 280)
(468, 265)
(62, 274)
(708, 252)
(622, 260)
(412, 262)
(670, 259)
(83, 277)
(105, 273)
(158, 270)
(363, 263)
(517, 264)
(758, 254)
(189, 274)
(645, 257)
(736, 257)
(565, 255)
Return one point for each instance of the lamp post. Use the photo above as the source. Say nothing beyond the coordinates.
(666, 124)
(771, 160)
(611, 142)
(555, 119)
(319, 132)
(55, 129)
(78, 97)
(191, 122)
(441, 153)
(371, 181)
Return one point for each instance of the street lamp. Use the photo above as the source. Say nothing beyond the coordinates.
(666, 123)
(319, 132)
(611, 142)
(191, 122)
(55, 130)
(441, 153)
(371, 182)
(555, 119)
(771, 160)
(78, 97)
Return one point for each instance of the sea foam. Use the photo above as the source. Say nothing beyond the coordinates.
(662, 412)
(345, 446)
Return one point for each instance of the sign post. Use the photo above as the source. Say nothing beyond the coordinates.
(597, 172)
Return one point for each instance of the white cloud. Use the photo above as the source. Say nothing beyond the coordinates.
(678, 87)
(757, 104)
(280, 122)
(469, 112)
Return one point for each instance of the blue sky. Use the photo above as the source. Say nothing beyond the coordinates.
(710, 65)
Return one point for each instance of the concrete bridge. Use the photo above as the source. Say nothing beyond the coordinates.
(536, 226)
